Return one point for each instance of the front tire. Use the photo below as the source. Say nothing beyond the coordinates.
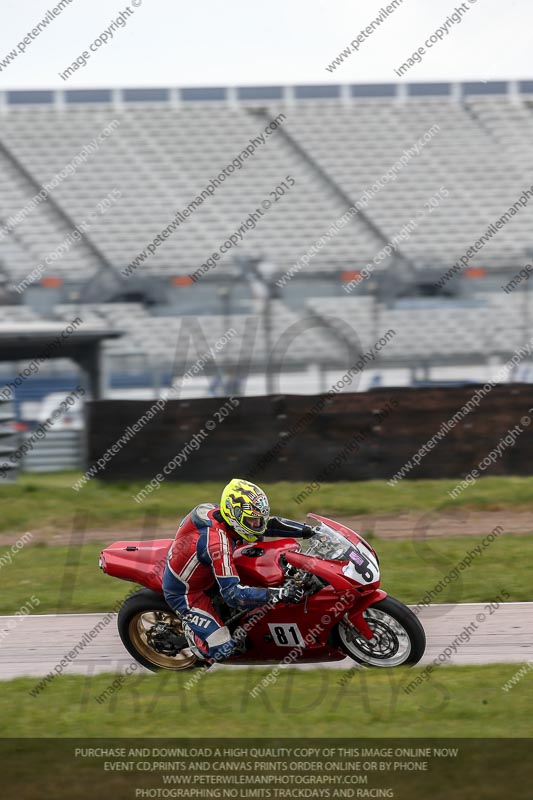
(152, 633)
(399, 638)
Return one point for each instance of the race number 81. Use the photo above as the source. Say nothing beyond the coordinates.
(286, 634)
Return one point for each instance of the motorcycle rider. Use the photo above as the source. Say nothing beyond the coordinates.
(202, 554)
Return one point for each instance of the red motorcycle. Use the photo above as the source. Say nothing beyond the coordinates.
(344, 612)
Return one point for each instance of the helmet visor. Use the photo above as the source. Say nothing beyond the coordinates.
(256, 524)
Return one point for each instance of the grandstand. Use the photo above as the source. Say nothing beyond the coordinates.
(124, 165)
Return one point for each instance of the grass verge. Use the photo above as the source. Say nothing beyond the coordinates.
(49, 502)
(455, 702)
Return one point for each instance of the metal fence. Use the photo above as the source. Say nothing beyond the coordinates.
(9, 438)
(59, 450)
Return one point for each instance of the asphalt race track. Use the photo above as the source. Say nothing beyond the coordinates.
(35, 644)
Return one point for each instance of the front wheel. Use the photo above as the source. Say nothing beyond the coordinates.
(399, 637)
(152, 634)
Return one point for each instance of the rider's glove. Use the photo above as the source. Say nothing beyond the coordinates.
(307, 531)
(286, 594)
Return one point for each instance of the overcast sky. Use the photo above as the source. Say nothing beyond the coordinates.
(239, 42)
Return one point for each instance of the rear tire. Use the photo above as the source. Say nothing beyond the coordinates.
(145, 616)
(399, 637)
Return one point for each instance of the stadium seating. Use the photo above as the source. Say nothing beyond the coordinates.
(492, 323)
(509, 124)
(434, 330)
(180, 341)
(357, 144)
(160, 157)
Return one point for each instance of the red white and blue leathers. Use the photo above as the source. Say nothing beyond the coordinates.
(200, 557)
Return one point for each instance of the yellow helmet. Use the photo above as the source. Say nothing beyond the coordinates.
(244, 506)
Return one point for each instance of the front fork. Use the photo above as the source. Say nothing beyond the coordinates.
(355, 616)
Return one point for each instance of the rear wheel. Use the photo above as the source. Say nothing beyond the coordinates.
(152, 634)
(399, 637)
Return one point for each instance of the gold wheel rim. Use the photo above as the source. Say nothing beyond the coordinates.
(138, 628)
